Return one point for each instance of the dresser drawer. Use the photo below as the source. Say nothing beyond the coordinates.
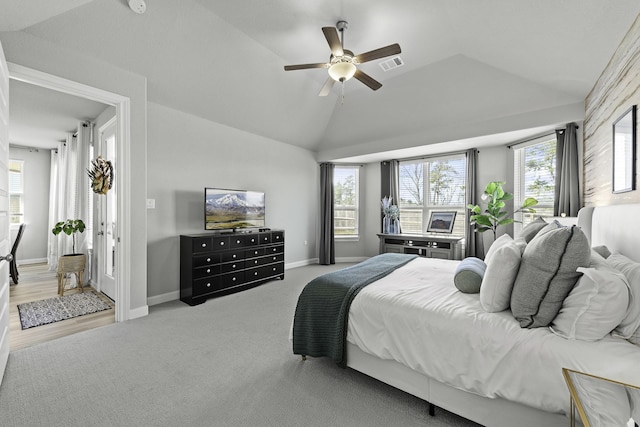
(206, 286)
(265, 238)
(252, 253)
(203, 260)
(231, 279)
(202, 244)
(278, 249)
(232, 256)
(279, 257)
(231, 266)
(210, 270)
(277, 237)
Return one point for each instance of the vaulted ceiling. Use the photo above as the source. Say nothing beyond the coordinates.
(475, 71)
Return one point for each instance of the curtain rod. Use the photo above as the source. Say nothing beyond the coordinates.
(539, 136)
(24, 147)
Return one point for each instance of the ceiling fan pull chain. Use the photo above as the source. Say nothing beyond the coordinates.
(342, 102)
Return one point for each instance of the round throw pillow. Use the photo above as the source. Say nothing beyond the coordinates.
(469, 274)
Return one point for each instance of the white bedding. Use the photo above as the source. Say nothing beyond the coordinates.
(418, 318)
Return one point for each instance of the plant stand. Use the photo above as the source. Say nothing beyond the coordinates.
(67, 265)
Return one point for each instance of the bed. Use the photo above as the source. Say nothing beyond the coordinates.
(418, 333)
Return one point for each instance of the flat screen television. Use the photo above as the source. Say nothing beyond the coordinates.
(226, 209)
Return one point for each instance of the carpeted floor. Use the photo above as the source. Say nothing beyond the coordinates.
(58, 308)
(227, 362)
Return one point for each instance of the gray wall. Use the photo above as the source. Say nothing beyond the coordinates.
(186, 154)
(37, 167)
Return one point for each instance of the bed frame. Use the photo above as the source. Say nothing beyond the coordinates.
(616, 227)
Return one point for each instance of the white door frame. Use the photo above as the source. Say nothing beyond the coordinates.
(122, 174)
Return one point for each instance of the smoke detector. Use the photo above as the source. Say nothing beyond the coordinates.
(138, 6)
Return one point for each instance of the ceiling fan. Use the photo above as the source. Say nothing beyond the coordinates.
(343, 63)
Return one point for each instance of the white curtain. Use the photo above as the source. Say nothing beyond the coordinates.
(69, 194)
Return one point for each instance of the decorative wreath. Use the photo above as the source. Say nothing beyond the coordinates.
(101, 174)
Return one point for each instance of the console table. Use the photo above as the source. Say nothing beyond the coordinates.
(218, 264)
(426, 245)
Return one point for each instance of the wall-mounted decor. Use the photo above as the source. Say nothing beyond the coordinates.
(101, 174)
(624, 152)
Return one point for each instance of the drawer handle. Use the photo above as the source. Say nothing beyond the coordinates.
(204, 245)
(274, 269)
(253, 240)
(255, 273)
(233, 279)
(255, 261)
(221, 243)
(275, 258)
(255, 252)
(233, 266)
(208, 259)
(234, 256)
(277, 237)
(208, 285)
(208, 270)
(238, 241)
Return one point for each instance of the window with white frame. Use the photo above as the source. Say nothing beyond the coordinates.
(16, 192)
(346, 188)
(429, 185)
(534, 176)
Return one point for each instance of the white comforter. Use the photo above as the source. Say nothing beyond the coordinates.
(418, 318)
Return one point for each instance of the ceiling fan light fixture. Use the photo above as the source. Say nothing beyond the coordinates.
(342, 71)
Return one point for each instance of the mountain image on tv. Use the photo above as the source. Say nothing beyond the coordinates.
(234, 209)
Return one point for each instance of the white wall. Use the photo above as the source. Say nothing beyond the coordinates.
(187, 153)
(37, 167)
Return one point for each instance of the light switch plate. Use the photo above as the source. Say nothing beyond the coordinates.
(151, 203)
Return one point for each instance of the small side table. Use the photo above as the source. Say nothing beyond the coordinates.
(70, 264)
(601, 401)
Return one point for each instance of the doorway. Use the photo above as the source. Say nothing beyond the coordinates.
(121, 231)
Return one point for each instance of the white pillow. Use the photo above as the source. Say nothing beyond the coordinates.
(594, 307)
(629, 327)
(501, 272)
(500, 242)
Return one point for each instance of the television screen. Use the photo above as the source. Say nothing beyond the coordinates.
(230, 209)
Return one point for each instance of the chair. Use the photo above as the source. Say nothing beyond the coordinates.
(70, 264)
(13, 266)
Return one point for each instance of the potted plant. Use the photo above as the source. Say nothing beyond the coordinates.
(70, 227)
(70, 263)
(494, 215)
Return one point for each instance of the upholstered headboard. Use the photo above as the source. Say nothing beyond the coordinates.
(616, 226)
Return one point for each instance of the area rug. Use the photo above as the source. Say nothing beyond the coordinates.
(51, 310)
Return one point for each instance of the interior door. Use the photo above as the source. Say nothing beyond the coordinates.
(4, 213)
(107, 216)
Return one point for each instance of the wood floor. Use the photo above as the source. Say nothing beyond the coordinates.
(36, 282)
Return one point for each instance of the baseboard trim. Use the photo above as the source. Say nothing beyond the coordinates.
(138, 312)
(159, 299)
(31, 261)
(301, 263)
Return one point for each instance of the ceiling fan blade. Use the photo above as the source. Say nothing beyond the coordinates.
(331, 34)
(326, 88)
(304, 66)
(368, 80)
(392, 49)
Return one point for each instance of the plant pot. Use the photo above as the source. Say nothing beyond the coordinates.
(71, 264)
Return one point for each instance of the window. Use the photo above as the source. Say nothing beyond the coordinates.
(16, 190)
(346, 187)
(535, 176)
(432, 185)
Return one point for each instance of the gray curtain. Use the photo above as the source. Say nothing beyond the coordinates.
(327, 244)
(473, 243)
(567, 193)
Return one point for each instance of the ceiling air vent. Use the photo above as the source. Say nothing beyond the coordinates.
(392, 63)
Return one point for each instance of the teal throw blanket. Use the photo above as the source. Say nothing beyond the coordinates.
(320, 322)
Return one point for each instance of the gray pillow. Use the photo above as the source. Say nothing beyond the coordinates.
(602, 250)
(469, 274)
(531, 229)
(547, 274)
